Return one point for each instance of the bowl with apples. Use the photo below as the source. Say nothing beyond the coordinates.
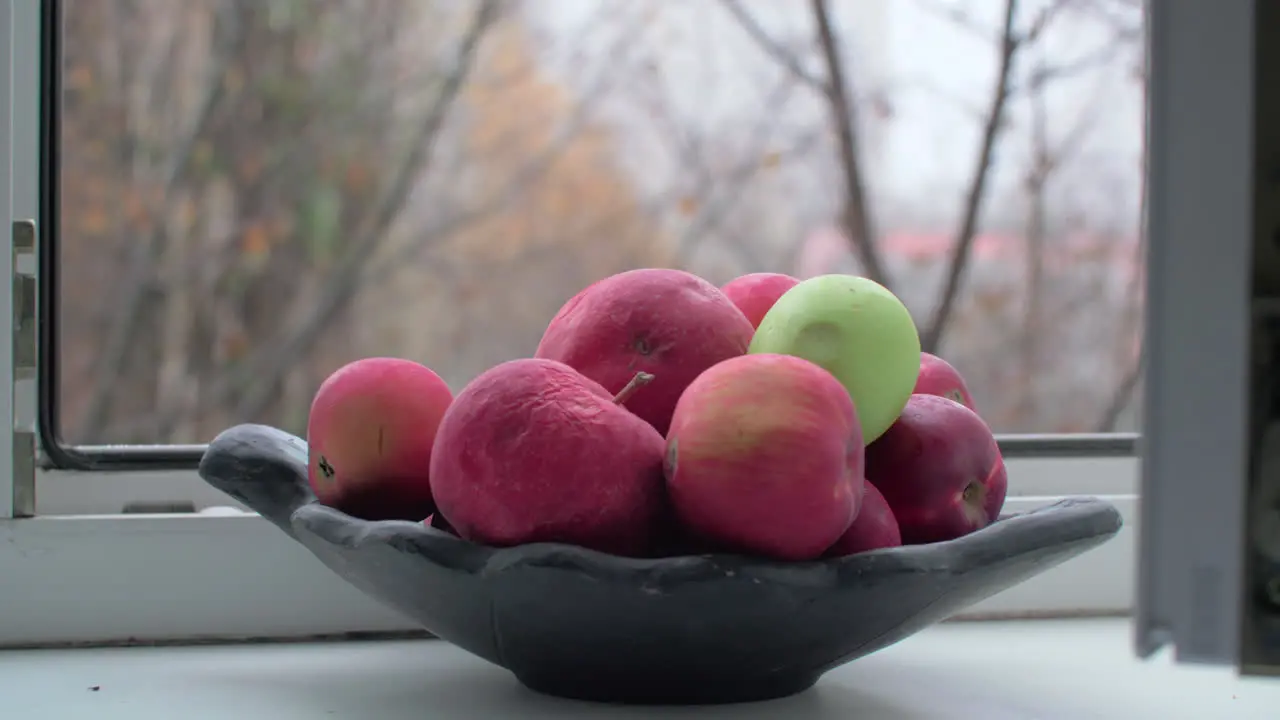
(685, 495)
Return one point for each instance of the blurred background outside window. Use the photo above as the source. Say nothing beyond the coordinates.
(255, 192)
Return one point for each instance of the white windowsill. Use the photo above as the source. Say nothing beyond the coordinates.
(82, 579)
(995, 671)
(109, 577)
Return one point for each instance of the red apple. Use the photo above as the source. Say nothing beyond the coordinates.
(765, 457)
(668, 323)
(938, 377)
(875, 527)
(534, 451)
(940, 470)
(755, 293)
(369, 438)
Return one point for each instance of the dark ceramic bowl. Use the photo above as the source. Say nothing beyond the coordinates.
(701, 629)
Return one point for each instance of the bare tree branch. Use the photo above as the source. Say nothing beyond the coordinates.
(737, 176)
(685, 145)
(714, 213)
(955, 98)
(1047, 158)
(260, 375)
(857, 213)
(723, 196)
(1100, 56)
(781, 55)
(136, 285)
(427, 247)
(963, 242)
(531, 172)
(957, 15)
(1124, 16)
(341, 287)
(1124, 390)
(1043, 162)
(1123, 393)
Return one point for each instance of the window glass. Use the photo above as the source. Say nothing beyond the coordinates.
(254, 192)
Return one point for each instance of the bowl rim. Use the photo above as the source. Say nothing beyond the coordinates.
(266, 469)
(1070, 521)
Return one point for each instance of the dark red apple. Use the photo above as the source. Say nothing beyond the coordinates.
(533, 451)
(369, 437)
(939, 377)
(668, 323)
(940, 470)
(755, 293)
(875, 527)
(765, 457)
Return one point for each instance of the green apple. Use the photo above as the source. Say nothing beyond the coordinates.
(856, 329)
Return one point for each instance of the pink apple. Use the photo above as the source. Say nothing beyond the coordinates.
(533, 451)
(755, 293)
(369, 437)
(765, 457)
(668, 323)
(939, 377)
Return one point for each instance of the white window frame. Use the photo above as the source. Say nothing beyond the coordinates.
(78, 572)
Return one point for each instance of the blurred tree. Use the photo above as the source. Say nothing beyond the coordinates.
(265, 179)
(246, 158)
(256, 191)
(560, 214)
(1007, 336)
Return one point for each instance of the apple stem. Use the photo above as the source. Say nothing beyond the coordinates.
(640, 380)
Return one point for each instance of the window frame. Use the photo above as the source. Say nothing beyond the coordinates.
(80, 571)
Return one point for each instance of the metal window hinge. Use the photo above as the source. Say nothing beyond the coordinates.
(23, 341)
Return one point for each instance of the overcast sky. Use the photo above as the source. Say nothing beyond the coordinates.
(936, 73)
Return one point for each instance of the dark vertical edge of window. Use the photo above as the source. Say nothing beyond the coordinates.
(50, 84)
(145, 457)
